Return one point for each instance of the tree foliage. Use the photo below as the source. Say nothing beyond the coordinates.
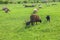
(26, 1)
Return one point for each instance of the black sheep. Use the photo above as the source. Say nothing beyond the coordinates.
(48, 18)
(6, 10)
(28, 23)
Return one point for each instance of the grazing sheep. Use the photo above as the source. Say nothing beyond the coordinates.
(5, 9)
(40, 6)
(33, 5)
(28, 23)
(34, 19)
(48, 18)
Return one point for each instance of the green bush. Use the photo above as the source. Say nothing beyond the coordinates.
(6, 2)
(19, 2)
(1, 2)
(24, 1)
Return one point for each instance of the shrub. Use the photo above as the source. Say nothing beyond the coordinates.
(19, 2)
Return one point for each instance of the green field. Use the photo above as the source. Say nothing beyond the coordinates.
(12, 25)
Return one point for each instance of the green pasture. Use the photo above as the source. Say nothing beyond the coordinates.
(12, 24)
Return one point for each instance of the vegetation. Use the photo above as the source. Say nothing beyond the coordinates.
(26, 1)
(12, 24)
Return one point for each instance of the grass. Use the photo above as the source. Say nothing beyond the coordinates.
(12, 25)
